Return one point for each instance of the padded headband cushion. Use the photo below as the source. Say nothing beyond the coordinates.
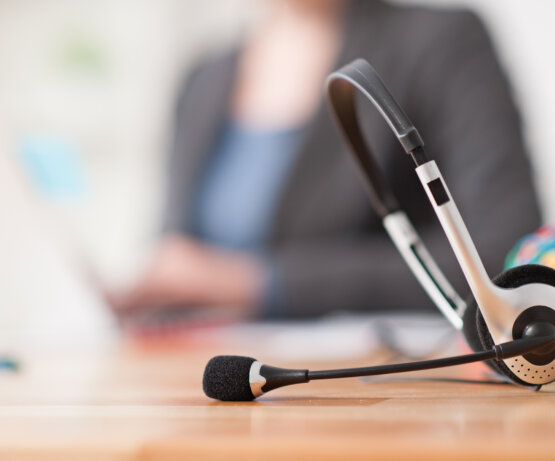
(474, 326)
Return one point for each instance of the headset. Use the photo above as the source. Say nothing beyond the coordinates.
(501, 309)
(508, 321)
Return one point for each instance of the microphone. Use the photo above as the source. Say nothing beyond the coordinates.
(234, 378)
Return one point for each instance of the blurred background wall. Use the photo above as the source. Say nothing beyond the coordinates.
(86, 92)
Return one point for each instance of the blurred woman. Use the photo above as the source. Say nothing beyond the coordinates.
(265, 209)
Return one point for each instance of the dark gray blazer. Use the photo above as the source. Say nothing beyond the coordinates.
(326, 242)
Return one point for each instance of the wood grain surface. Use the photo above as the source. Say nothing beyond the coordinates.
(130, 402)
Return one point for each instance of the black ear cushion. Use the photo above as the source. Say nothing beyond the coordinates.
(474, 327)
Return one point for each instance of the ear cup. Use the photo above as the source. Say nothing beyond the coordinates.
(475, 329)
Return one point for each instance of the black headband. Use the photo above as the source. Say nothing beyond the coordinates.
(341, 87)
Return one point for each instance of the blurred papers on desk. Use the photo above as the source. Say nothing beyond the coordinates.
(335, 337)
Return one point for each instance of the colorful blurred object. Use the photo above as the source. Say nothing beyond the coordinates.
(535, 248)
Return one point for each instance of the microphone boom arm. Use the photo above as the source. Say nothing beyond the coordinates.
(497, 352)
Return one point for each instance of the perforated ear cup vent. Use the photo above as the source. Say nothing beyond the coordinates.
(474, 328)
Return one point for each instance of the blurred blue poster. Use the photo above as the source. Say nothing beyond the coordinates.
(54, 166)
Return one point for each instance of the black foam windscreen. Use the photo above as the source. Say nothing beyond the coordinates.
(226, 377)
(475, 329)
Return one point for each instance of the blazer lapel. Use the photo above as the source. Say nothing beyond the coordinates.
(206, 99)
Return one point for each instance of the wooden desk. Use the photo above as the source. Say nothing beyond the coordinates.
(147, 404)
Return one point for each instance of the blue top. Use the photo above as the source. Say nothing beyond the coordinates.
(240, 186)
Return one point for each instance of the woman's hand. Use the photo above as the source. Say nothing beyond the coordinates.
(185, 272)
